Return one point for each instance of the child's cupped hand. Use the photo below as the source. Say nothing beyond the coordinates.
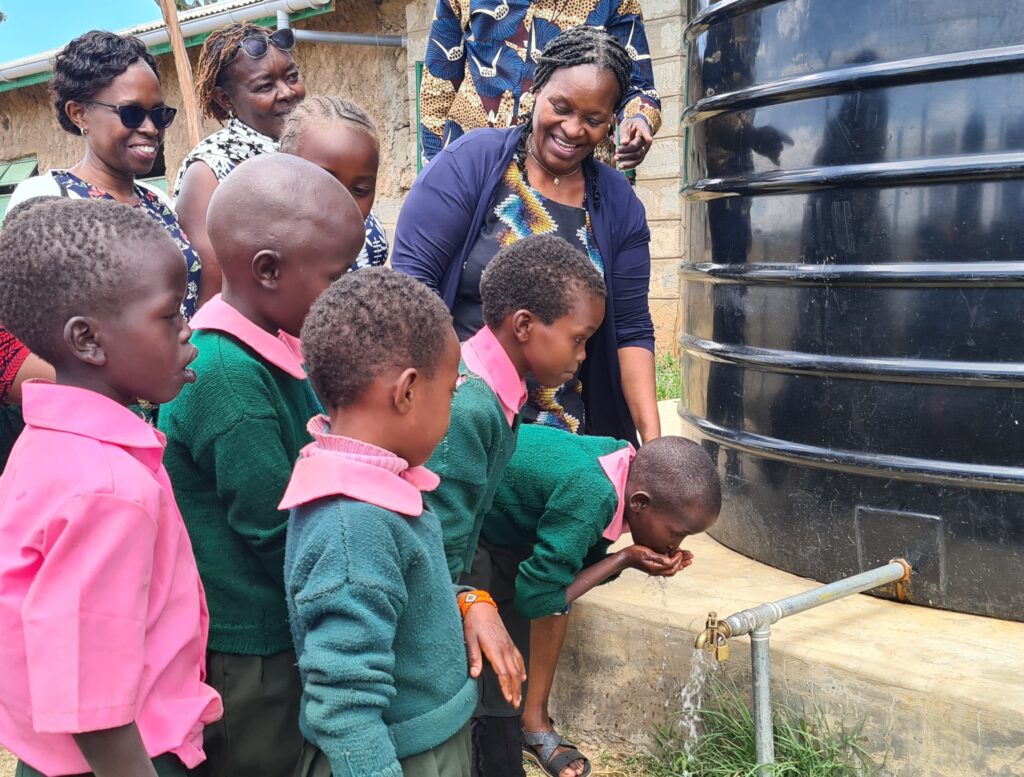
(657, 564)
(486, 636)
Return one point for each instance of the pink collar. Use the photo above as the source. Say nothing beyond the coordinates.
(283, 351)
(88, 414)
(485, 356)
(341, 466)
(616, 467)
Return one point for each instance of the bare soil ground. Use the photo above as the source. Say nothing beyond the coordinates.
(604, 763)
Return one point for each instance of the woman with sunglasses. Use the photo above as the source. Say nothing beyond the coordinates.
(106, 89)
(247, 78)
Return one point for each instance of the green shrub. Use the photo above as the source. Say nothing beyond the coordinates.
(669, 379)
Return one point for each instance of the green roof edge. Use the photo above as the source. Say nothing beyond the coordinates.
(164, 48)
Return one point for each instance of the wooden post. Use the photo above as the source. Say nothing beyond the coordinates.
(184, 71)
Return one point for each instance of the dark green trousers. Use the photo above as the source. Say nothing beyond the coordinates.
(259, 734)
(448, 759)
(166, 765)
(494, 570)
(497, 749)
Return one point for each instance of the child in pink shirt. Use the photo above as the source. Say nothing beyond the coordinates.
(102, 611)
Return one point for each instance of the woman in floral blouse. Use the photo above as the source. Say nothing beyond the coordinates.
(107, 90)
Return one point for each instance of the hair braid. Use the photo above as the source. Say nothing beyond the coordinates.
(218, 50)
(577, 46)
(318, 110)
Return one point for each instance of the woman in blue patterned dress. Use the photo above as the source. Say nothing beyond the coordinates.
(481, 63)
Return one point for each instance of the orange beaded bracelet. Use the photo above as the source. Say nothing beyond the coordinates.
(468, 598)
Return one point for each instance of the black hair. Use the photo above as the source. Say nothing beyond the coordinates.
(61, 258)
(577, 46)
(677, 472)
(367, 322)
(317, 110)
(89, 64)
(540, 273)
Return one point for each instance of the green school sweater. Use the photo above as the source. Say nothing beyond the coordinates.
(232, 439)
(377, 633)
(469, 461)
(556, 500)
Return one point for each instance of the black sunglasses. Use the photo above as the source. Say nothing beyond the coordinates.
(134, 116)
(257, 46)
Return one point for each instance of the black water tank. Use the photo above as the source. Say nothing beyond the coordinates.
(853, 310)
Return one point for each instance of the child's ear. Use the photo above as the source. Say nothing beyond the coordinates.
(405, 390)
(639, 500)
(266, 268)
(80, 337)
(522, 324)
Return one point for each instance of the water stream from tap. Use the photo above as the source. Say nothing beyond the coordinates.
(701, 665)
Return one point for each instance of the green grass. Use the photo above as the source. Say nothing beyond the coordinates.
(668, 377)
(805, 746)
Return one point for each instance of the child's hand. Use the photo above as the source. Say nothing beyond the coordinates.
(486, 635)
(657, 564)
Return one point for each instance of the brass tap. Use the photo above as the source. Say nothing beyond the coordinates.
(714, 637)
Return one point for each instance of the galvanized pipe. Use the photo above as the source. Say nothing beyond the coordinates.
(761, 668)
(757, 622)
(746, 621)
(348, 38)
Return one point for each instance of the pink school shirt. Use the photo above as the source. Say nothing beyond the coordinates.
(341, 466)
(102, 612)
(284, 351)
(486, 357)
(616, 467)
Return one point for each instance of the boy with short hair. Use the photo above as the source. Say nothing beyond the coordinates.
(283, 229)
(542, 300)
(102, 614)
(563, 500)
(388, 691)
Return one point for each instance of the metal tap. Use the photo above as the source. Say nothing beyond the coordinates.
(714, 637)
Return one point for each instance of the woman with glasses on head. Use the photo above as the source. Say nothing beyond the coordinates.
(106, 89)
(247, 78)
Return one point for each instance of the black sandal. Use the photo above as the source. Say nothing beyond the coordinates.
(549, 742)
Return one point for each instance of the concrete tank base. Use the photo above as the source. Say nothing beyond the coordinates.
(940, 693)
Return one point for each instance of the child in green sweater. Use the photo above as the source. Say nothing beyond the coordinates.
(283, 230)
(387, 687)
(542, 300)
(563, 500)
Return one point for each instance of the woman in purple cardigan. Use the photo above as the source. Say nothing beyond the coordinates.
(492, 187)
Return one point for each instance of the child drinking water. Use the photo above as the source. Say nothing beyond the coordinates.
(563, 500)
(542, 299)
(102, 612)
(337, 135)
(283, 230)
(387, 690)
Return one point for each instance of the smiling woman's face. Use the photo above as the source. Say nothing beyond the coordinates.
(261, 92)
(119, 148)
(573, 113)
